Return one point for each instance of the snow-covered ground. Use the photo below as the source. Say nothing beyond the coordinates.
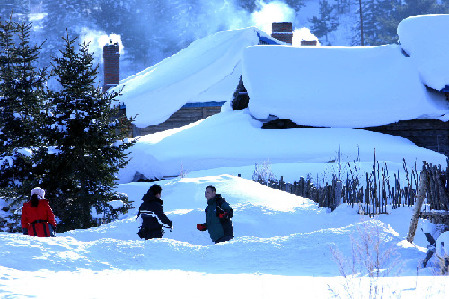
(234, 139)
(283, 244)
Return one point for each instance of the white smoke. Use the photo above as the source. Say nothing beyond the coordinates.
(303, 34)
(222, 15)
(189, 21)
(97, 39)
(276, 11)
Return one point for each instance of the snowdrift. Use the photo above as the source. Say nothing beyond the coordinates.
(426, 40)
(340, 87)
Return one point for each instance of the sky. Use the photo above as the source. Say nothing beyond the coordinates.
(283, 245)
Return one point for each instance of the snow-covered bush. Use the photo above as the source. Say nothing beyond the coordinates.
(113, 209)
(263, 173)
(372, 257)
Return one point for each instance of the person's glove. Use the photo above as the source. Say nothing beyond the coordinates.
(223, 215)
(24, 231)
(201, 227)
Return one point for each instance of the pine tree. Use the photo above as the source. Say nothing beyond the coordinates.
(22, 106)
(386, 21)
(391, 13)
(370, 12)
(88, 137)
(295, 4)
(326, 23)
(343, 6)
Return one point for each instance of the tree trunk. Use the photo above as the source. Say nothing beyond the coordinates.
(362, 41)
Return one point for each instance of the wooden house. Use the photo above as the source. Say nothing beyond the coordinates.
(303, 96)
(189, 112)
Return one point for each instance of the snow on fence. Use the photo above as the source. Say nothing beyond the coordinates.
(377, 193)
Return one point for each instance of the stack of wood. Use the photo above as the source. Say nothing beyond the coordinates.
(436, 205)
(433, 196)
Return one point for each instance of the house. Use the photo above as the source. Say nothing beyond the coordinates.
(390, 89)
(183, 94)
(397, 90)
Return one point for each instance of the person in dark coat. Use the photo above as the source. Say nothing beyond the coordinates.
(152, 214)
(218, 217)
(37, 216)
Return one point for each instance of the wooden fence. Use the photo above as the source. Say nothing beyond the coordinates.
(433, 195)
(376, 193)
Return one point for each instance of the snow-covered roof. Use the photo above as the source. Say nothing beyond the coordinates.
(335, 86)
(207, 70)
(317, 86)
(426, 39)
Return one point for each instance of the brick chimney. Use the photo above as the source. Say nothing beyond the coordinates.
(308, 43)
(282, 31)
(111, 66)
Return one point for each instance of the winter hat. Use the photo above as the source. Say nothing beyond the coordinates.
(39, 191)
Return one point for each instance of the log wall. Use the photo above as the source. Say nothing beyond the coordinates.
(429, 133)
(182, 117)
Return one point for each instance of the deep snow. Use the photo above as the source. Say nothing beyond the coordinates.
(234, 139)
(351, 91)
(422, 37)
(282, 246)
(283, 243)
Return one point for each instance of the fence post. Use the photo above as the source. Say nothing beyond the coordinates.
(302, 187)
(288, 188)
(337, 194)
(418, 205)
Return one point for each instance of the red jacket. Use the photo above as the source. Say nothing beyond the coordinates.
(36, 219)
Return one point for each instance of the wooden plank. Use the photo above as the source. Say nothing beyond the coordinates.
(434, 213)
(418, 204)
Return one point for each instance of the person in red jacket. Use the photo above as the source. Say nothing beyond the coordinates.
(37, 217)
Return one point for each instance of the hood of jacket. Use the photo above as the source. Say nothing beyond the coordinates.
(150, 197)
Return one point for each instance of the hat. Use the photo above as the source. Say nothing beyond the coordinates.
(39, 191)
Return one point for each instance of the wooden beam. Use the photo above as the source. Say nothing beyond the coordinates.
(418, 204)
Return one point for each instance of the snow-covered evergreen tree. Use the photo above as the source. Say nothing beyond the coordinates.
(89, 139)
(22, 109)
